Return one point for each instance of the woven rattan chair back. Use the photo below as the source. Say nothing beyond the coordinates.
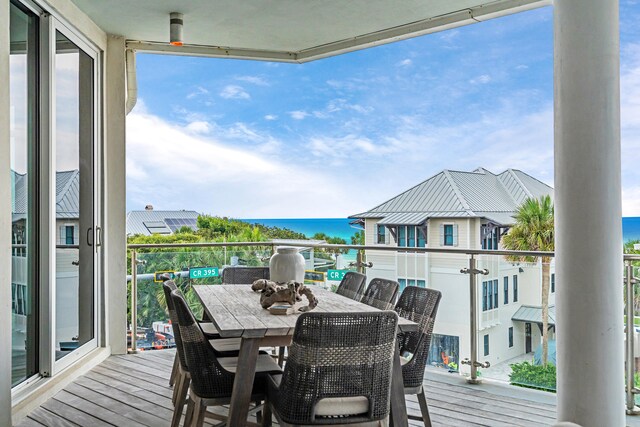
(381, 294)
(352, 285)
(338, 355)
(208, 379)
(168, 287)
(243, 275)
(419, 305)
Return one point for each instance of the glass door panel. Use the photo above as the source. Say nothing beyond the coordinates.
(74, 121)
(23, 106)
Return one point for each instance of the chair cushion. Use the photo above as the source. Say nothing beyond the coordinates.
(264, 364)
(342, 406)
(330, 406)
(209, 329)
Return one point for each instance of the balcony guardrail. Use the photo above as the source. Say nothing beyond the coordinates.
(473, 267)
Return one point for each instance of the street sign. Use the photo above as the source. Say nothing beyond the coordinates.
(336, 275)
(203, 272)
(159, 276)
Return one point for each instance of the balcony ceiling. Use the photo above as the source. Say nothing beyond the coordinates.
(288, 30)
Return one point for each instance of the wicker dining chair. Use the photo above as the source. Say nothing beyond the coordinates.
(211, 376)
(381, 294)
(243, 275)
(419, 305)
(180, 377)
(338, 371)
(352, 285)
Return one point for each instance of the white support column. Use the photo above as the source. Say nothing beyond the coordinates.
(588, 213)
(114, 220)
(5, 221)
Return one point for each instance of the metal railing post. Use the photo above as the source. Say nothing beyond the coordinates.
(631, 390)
(473, 301)
(473, 363)
(134, 302)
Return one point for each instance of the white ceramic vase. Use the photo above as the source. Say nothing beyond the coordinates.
(287, 264)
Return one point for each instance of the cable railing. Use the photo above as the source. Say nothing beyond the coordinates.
(181, 260)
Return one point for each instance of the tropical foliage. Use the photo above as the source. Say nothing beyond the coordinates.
(534, 231)
(629, 248)
(542, 377)
(151, 304)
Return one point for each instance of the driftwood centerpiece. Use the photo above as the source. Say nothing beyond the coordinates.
(290, 293)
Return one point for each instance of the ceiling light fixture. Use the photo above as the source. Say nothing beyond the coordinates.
(175, 28)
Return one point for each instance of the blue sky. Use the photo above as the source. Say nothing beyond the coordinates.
(339, 136)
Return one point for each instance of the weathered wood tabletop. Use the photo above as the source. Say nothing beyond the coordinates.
(236, 312)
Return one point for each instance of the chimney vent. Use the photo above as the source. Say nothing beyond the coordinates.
(148, 208)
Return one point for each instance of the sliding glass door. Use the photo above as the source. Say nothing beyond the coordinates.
(55, 199)
(23, 98)
(75, 198)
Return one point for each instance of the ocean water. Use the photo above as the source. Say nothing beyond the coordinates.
(631, 228)
(340, 227)
(333, 227)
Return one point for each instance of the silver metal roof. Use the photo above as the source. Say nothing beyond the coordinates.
(532, 314)
(148, 222)
(67, 195)
(452, 194)
(406, 218)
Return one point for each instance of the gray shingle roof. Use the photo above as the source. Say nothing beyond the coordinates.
(451, 194)
(162, 222)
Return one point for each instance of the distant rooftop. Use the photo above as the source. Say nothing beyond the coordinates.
(67, 195)
(151, 221)
(456, 194)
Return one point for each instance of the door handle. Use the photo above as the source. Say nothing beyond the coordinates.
(89, 230)
(98, 236)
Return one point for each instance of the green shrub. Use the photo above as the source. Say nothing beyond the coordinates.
(534, 376)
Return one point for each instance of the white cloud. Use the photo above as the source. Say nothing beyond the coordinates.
(198, 127)
(404, 63)
(234, 92)
(270, 117)
(483, 79)
(522, 67)
(171, 167)
(298, 114)
(198, 91)
(255, 80)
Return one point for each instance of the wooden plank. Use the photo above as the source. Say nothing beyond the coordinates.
(142, 390)
(144, 398)
(160, 412)
(88, 407)
(50, 419)
(133, 365)
(30, 422)
(116, 405)
(478, 394)
(161, 390)
(72, 414)
(134, 374)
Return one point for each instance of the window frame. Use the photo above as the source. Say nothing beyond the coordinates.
(506, 289)
(486, 345)
(515, 288)
(510, 336)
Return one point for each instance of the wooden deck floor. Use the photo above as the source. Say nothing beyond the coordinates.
(133, 390)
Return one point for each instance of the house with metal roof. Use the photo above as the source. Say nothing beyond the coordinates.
(150, 221)
(463, 210)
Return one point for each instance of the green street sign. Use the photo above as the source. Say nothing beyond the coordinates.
(336, 275)
(203, 272)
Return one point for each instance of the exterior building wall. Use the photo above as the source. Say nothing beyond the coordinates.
(442, 272)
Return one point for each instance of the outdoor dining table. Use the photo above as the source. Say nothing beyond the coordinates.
(236, 312)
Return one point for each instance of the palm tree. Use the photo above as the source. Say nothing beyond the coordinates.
(533, 231)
